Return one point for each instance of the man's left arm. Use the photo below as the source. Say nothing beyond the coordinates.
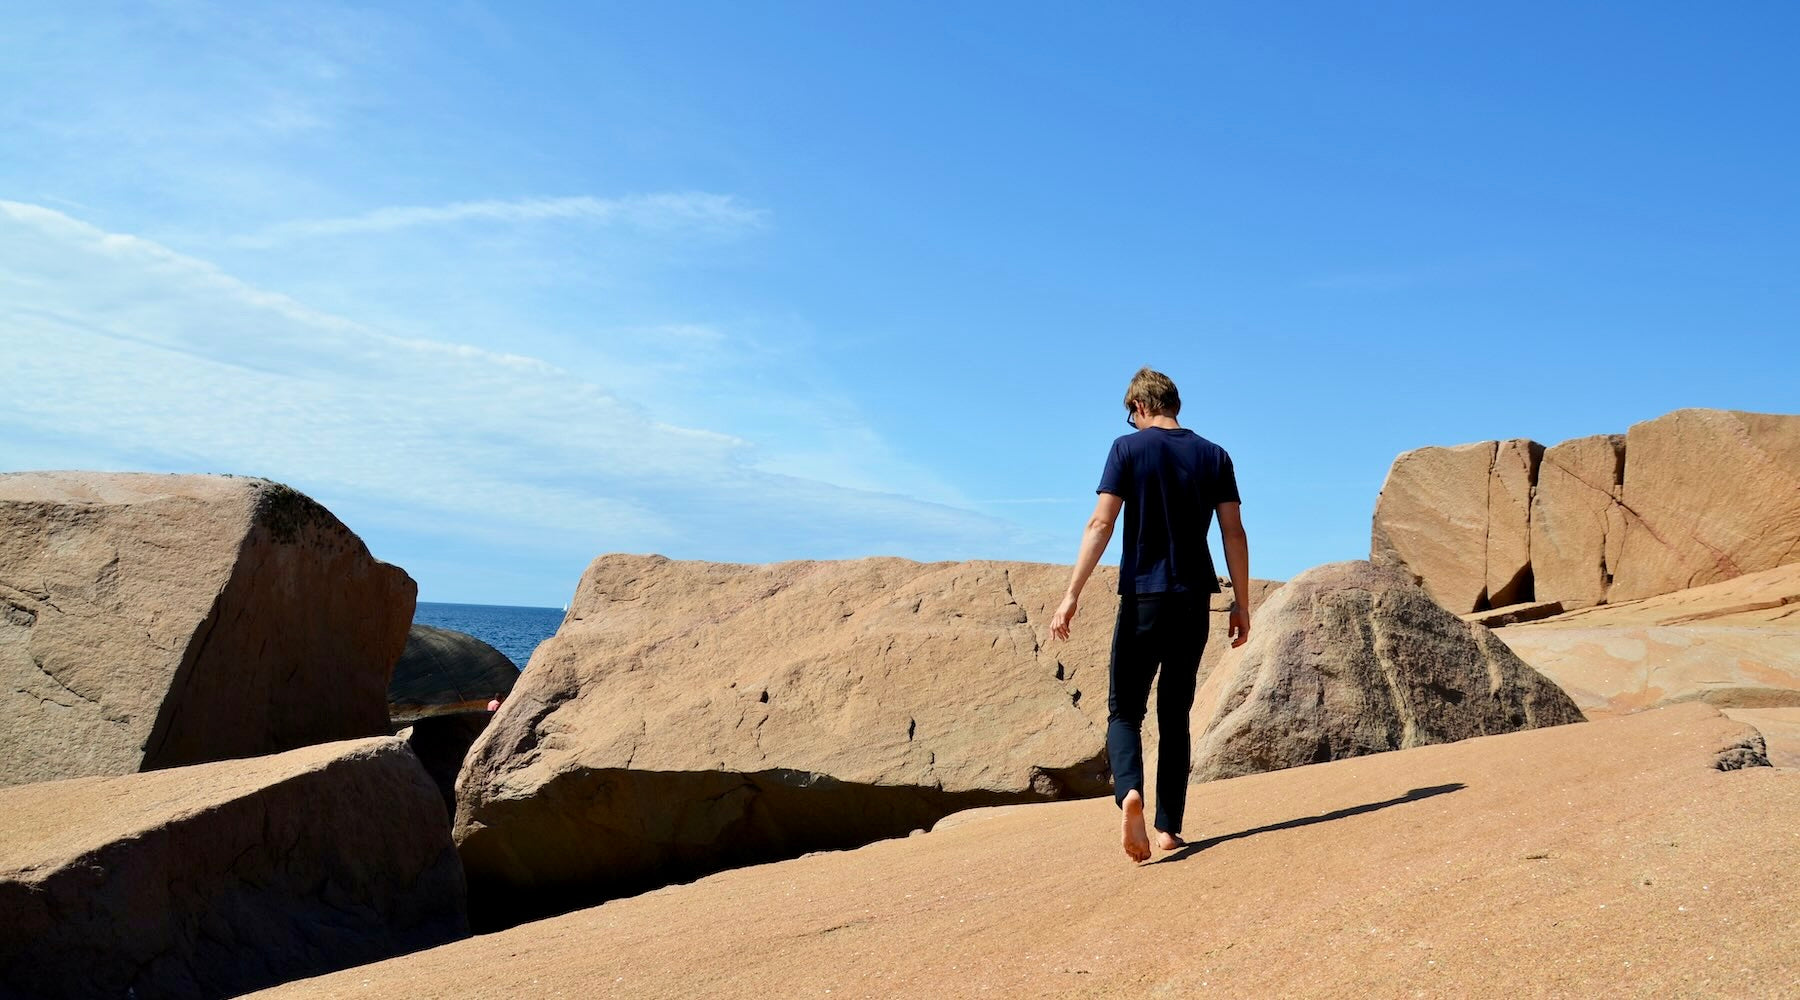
(1093, 544)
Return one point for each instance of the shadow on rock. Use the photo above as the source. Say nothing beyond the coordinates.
(1294, 824)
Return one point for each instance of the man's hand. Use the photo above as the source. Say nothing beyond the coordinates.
(1240, 625)
(1065, 613)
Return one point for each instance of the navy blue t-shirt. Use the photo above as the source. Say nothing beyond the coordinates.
(1171, 482)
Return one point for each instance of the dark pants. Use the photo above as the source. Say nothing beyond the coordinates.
(1154, 629)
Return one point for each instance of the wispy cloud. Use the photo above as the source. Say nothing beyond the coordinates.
(690, 210)
(130, 355)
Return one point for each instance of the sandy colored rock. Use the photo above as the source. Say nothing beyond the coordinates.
(210, 880)
(152, 621)
(1507, 558)
(1709, 495)
(1431, 519)
(1603, 860)
(1349, 659)
(691, 716)
(1577, 524)
(1733, 643)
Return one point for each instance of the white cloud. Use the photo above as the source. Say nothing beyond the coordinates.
(654, 212)
(125, 354)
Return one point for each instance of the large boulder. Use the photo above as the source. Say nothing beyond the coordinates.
(440, 694)
(212, 880)
(1710, 494)
(152, 621)
(1348, 659)
(1458, 520)
(445, 672)
(1735, 643)
(689, 717)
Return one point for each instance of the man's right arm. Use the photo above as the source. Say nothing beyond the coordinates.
(1093, 544)
(1237, 563)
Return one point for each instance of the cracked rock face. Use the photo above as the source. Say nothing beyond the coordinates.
(689, 717)
(1458, 520)
(1349, 659)
(1577, 524)
(217, 879)
(152, 621)
(1709, 495)
(1688, 499)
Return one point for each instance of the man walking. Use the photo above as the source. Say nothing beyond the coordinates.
(1169, 481)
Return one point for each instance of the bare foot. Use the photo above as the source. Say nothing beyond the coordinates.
(1136, 840)
(1169, 841)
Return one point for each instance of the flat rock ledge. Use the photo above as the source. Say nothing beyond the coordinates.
(211, 880)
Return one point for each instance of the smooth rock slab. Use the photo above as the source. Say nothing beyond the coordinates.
(1349, 659)
(1603, 860)
(211, 880)
(152, 621)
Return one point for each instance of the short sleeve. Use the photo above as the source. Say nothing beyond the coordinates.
(1115, 475)
(1226, 490)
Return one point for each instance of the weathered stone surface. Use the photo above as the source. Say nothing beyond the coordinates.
(211, 880)
(1734, 643)
(1431, 520)
(689, 717)
(1507, 558)
(1349, 659)
(1780, 729)
(1709, 495)
(151, 621)
(1577, 524)
(1606, 860)
(445, 672)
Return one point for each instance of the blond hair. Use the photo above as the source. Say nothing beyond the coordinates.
(1155, 391)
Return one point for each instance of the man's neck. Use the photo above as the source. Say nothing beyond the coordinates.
(1163, 421)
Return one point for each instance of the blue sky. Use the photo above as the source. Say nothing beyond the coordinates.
(509, 286)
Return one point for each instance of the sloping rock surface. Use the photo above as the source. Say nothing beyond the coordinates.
(1349, 659)
(152, 621)
(1711, 494)
(211, 880)
(692, 716)
(1734, 643)
(1604, 860)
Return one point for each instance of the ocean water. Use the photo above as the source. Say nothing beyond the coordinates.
(513, 631)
